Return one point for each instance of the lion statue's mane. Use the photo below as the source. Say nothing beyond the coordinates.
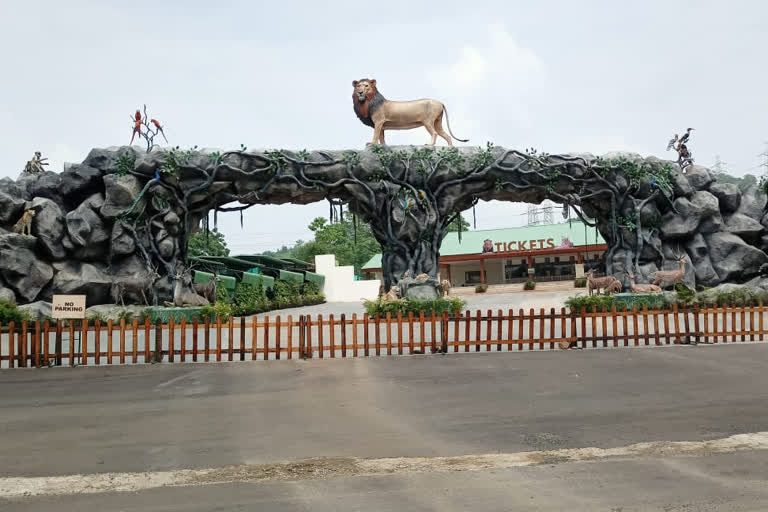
(373, 101)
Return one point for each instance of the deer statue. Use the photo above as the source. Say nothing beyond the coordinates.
(136, 285)
(598, 283)
(183, 294)
(614, 287)
(642, 288)
(671, 276)
(208, 290)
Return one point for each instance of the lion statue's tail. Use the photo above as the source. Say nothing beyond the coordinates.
(448, 124)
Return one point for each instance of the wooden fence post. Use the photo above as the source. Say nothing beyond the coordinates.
(277, 337)
(109, 341)
(302, 352)
(399, 333)
(231, 338)
(444, 329)
(218, 339)
(23, 345)
(309, 336)
(122, 341)
(59, 342)
(254, 337)
(36, 344)
(242, 338)
(97, 342)
(183, 340)
(354, 335)
(147, 326)
(478, 329)
(320, 346)
(46, 333)
(158, 353)
(171, 337)
(388, 318)
(289, 333)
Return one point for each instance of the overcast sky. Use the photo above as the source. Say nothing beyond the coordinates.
(587, 76)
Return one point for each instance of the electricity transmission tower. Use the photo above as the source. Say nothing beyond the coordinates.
(540, 215)
(719, 167)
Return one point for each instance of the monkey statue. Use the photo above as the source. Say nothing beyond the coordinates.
(35, 166)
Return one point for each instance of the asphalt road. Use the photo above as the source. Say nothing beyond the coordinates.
(61, 421)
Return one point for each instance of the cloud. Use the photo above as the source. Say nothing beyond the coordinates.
(491, 87)
(63, 154)
(499, 59)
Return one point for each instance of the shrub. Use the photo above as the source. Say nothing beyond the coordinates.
(125, 314)
(310, 288)
(97, 316)
(250, 299)
(222, 295)
(10, 312)
(286, 293)
(650, 302)
(581, 282)
(381, 306)
(589, 301)
(481, 288)
(529, 285)
(221, 310)
(684, 294)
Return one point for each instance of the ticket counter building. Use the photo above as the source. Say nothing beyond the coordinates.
(500, 256)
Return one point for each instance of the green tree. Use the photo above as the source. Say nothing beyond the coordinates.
(213, 244)
(339, 239)
(455, 224)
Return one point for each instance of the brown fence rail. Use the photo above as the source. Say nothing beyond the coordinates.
(82, 343)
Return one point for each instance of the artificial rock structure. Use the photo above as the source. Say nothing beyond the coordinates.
(123, 214)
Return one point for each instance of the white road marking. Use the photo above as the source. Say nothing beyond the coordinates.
(15, 487)
(174, 380)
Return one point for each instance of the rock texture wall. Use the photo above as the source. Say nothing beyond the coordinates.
(122, 213)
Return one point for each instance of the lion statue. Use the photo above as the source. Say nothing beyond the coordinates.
(393, 293)
(381, 114)
(487, 245)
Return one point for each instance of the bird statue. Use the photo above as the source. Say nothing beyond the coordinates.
(687, 136)
(671, 143)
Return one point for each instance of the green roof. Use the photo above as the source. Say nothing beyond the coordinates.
(472, 241)
(264, 260)
(298, 263)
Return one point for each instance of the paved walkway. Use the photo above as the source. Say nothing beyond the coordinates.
(681, 428)
(493, 301)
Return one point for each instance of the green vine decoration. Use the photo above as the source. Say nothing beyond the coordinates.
(175, 159)
(124, 164)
